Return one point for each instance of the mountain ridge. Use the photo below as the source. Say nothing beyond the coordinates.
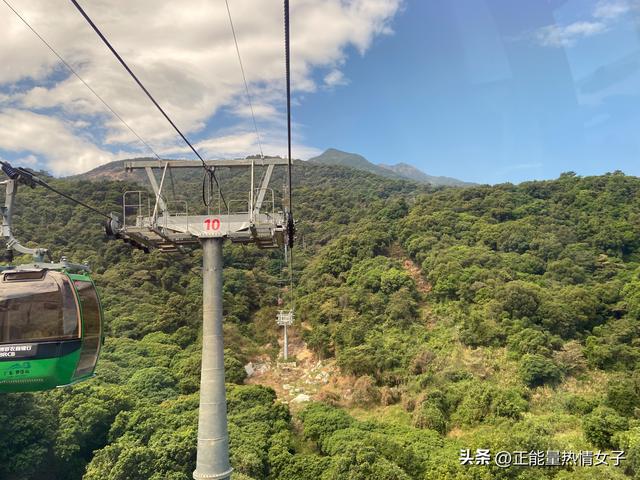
(402, 170)
(331, 157)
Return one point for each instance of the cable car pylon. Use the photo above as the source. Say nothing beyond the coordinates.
(150, 221)
(171, 230)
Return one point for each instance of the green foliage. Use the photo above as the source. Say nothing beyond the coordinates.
(629, 441)
(483, 401)
(536, 370)
(27, 429)
(530, 340)
(601, 425)
(540, 278)
(320, 421)
(365, 391)
(622, 396)
(570, 358)
(154, 384)
(429, 416)
(352, 449)
(85, 419)
(234, 371)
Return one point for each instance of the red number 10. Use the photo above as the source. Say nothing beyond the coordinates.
(212, 224)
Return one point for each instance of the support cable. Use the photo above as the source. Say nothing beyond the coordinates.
(291, 224)
(288, 79)
(144, 89)
(293, 297)
(28, 178)
(244, 79)
(77, 75)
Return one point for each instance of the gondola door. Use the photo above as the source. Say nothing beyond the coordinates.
(91, 326)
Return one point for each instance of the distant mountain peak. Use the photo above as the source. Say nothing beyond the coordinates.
(401, 170)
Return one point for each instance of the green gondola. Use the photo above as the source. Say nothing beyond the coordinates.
(50, 327)
(50, 313)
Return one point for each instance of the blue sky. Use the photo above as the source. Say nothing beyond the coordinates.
(492, 91)
(483, 90)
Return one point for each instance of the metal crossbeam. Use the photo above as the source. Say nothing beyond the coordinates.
(285, 318)
(241, 162)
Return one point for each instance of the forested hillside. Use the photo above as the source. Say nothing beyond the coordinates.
(499, 317)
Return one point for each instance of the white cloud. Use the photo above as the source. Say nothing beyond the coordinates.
(609, 10)
(335, 78)
(49, 137)
(30, 161)
(183, 52)
(604, 14)
(567, 35)
(244, 142)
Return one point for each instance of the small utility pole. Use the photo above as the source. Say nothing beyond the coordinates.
(285, 319)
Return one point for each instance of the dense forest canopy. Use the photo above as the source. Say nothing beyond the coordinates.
(502, 317)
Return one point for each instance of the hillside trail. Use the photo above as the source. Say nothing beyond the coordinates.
(397, 252)
(422, 285)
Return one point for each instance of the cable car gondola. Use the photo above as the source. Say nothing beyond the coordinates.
(50, 327)
(50, 313)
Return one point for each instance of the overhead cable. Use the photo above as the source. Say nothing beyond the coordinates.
(144, 89)
(24, 176)
(288, 80)
(77, 75)
(244, 79)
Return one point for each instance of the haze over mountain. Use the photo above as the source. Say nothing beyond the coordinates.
(402, 170)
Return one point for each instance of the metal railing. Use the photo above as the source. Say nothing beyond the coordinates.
(140, 210)
(266, 192)
(177, 212)
(244, 210)
(137, 210)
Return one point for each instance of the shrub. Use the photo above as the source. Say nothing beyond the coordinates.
(629, 441)
(579, 405)
(508, 403)
(421, 362)
(531, 341)
(601, 424)
(475, 405)
(408, 402)
(429, 416)
(571, 359)
(365, 391)
(389, 395)
(155, 384)
(329, 397)
(234, 371)
(320, 421)
(622, 396)
(519, 299)
(536, 370)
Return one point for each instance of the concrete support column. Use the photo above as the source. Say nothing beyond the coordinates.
(213, 437)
